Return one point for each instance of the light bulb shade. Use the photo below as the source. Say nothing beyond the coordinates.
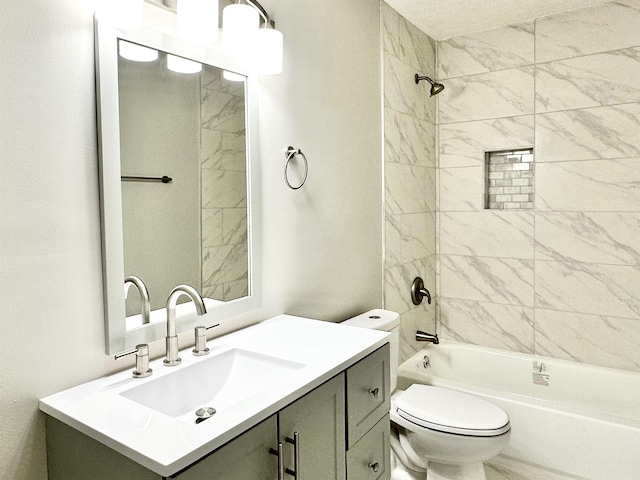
(182, 65)
(197, 20)
(233, 77)
(137, 53)
(269, 47)
(121, 13)
(239, 28)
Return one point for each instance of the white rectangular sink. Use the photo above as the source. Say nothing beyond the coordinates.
(221, 382)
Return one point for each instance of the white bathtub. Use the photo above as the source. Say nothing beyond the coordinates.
(578, 419)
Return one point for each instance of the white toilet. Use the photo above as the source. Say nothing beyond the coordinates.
(437, 433)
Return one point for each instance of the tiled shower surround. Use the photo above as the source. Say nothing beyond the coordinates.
(410, 174)
(563, 278)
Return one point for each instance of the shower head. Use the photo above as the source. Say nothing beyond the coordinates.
(436, 87)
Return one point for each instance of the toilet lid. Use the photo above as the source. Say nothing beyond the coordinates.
(451, 411)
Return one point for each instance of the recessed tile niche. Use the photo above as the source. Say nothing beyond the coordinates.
(509, 180)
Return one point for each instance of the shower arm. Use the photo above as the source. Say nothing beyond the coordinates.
(423, 77)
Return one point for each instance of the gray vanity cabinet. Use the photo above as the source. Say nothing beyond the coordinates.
(318, 418)
(316, 421)
(368, 403)
(72, 455)
(338, 431)
(246, 457)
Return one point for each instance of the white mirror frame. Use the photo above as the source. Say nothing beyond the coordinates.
(158, 33)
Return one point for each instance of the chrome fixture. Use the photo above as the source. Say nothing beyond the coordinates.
(172, 358)
(145, 303)
(426, 363)
(295, 441)
(295, 473)
(436, 87)
(200, 344)
(427, 337)
(204, 413)
(290, 154)
(418, 291)
(142, 360)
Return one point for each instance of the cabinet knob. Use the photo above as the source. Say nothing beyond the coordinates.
(375, 392)
(374, 466)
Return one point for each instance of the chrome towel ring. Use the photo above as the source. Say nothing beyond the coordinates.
(290, 153)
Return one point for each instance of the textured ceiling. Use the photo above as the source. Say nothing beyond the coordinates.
(442, 19)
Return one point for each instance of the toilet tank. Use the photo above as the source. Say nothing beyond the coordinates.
(386, 321)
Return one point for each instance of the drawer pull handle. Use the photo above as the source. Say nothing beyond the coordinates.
(295, 441)
(374, 466)
(375, 392)
(280, 456)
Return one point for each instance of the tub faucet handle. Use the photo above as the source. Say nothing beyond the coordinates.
(418, 291)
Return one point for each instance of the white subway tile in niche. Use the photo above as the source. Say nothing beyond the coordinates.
(509, 179)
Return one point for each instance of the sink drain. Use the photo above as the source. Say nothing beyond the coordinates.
(204, 413)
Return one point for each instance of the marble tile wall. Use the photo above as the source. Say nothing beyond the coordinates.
(563, 279)
(410, 174)
(224, 199)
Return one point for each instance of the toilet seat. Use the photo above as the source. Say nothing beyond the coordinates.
(450, 411)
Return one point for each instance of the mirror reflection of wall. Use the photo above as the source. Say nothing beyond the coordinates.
(193, 230)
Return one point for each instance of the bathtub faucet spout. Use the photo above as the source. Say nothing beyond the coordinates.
(427, 337)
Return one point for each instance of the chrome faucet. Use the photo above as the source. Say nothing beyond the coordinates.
(145, 308)
(418, 291)
(427, 337)
(172, 338)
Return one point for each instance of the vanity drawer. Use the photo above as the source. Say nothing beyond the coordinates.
(369, 458)
(367, 393)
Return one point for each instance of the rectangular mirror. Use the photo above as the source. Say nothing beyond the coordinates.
(178, 169)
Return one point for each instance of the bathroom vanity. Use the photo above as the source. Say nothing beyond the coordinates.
(311, 401)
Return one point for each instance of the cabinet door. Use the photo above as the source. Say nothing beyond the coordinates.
(246, 457)
(318, 420)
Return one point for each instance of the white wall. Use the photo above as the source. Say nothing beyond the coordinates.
(322, 244)
(50, 280)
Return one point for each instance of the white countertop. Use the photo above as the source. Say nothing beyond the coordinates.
(165, 444)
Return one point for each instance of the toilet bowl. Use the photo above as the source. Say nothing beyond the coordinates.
(446, 433)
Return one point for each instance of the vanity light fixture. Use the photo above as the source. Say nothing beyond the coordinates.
(261, 47)
(182, 65)
(136, 53)
(197, 20)
(239, 28)
(269, 51)
(121, 13)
